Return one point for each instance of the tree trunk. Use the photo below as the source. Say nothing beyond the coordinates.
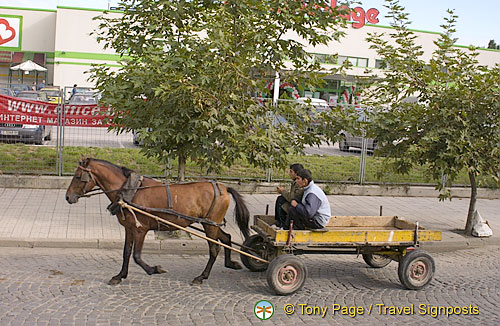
(181, 172)
(472, 203)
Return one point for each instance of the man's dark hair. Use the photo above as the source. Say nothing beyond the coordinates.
(305, 174)
(296, 167)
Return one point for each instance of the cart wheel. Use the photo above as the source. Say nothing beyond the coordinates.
(376, 261)
(416, 269)
(286, 274)
(260, 248)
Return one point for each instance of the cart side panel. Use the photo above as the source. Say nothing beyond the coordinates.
(349, 236)
(268, 219)
(361, 221)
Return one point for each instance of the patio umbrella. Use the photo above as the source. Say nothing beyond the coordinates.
(29, 65)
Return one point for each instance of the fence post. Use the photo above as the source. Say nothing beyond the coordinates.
(276, 94)
(60, 132)
(362, 161)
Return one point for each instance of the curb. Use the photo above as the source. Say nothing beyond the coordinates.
(54, 182)
(171, 246)
(200, 247)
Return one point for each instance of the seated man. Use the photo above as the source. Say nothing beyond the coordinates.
(286, 196)
(313, 212)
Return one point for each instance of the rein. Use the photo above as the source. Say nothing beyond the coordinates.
(96, 191)
(87, 175)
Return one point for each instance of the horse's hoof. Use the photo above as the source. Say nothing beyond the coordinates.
(197, 281)
(114, 281)
(159, 270)
(233, 265)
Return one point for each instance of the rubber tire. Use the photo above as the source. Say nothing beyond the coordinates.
(411, 260)
(257, 243)
(277, 265)
(343, 146)
(49, 136)
(39, 141)
(379, 262)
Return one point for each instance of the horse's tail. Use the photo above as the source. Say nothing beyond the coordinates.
(242, 213)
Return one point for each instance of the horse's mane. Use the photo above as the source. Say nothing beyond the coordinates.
(126, 171)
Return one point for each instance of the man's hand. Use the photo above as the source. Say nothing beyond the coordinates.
(279, 189)
(294, 203)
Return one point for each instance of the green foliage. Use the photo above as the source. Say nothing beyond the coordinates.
(453, 122)
(192, 71)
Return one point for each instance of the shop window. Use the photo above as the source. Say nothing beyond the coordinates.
(353, 61)
(362, 62)
(341, 59)
(380, 64)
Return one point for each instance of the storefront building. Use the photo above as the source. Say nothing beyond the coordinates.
(61, 41)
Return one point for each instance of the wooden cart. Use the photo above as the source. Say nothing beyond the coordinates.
(379, 239)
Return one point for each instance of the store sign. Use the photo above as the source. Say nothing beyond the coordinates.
(10, 31)
(20, 111)
(358, 16)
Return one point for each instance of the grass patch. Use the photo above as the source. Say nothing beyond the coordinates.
(40, 160)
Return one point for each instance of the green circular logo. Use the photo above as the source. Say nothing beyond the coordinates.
(263, 310)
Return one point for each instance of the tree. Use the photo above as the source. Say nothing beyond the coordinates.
(453, 123)
(493, 45)
(192, 69)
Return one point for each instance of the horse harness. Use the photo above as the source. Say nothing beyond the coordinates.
(134, 182)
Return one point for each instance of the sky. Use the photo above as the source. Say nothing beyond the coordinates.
(478, 22)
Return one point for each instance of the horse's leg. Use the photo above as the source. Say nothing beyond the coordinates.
(225, 238)
(139, 236)
(127, 250)
(213, 249)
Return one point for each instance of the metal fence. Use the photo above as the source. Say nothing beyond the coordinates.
(350, 161)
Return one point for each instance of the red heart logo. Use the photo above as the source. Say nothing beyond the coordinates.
(7, 33)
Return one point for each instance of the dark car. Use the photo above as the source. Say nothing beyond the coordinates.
(26, 133)
(16, 88)
(348, 140)
(33, 96)
(6, 91)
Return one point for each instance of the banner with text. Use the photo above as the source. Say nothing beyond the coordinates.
(14, 110)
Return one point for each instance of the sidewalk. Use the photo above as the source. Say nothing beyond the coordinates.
(43, 218)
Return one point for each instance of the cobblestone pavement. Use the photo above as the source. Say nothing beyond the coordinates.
(68, 287)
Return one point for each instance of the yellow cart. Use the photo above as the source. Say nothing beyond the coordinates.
(379, 239)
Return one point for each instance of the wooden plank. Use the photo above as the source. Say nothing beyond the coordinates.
(361, 228)
(356, 221)
(269, 219)
(405, 225)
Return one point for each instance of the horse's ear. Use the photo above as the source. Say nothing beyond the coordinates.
(84, 161)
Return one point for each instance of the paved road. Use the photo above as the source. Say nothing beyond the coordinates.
(100, 137)
(95, 137)
(68, 287)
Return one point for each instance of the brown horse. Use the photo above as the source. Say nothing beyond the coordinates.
(197, 199)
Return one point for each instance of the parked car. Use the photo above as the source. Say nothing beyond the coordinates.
(349, 140)
(26, 133)
(16, 88)
(33, 95)
(136, 137)
(6, 91)
(83, 99)
(79, 90)
(318, 104)
(13, 132)
(53, 94)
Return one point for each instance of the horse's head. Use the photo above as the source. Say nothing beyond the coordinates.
(83, 181)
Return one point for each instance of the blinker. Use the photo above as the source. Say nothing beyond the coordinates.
(85, 177)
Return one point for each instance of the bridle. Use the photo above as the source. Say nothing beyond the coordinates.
(87, 175)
